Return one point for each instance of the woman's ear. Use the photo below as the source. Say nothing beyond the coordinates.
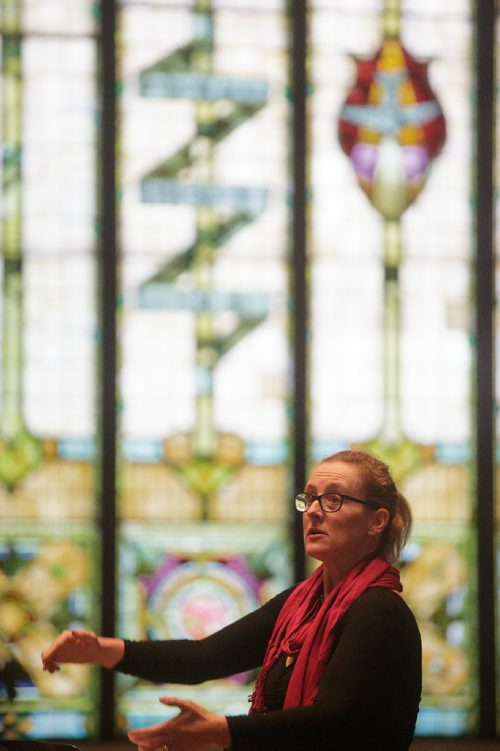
(380, 520)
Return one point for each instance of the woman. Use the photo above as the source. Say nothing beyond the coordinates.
(340, 652)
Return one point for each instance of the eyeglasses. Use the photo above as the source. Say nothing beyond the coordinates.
(329, 502)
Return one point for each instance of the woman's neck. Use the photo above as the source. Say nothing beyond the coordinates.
(334, 573)
(331, 577)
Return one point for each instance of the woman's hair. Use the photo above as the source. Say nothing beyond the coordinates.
(380, 487)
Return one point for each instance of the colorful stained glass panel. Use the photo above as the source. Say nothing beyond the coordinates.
(47, 362)
(204, 377)
(391, 241)
(180, 581)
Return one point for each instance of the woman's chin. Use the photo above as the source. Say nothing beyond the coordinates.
(314, 549)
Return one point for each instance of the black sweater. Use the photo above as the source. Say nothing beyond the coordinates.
(368, 697)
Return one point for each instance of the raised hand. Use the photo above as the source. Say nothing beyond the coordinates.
(193, 729)
(79, 646)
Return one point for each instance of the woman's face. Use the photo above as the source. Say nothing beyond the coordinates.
(344, 537)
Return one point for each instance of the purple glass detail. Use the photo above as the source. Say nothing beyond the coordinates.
(416, 160)
(364, 159)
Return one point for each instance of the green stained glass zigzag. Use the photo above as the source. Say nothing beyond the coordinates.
(221, 105)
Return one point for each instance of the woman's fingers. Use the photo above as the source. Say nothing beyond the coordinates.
(50, 656)
(184, 705)
(149, 737)
(155, 736)
(50, 666)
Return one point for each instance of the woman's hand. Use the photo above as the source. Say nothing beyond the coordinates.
(82, 647)
(193, 729)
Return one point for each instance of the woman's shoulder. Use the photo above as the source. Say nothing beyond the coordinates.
(382, 617)
(380, 603)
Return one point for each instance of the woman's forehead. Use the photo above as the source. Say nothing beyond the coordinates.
(335, 473)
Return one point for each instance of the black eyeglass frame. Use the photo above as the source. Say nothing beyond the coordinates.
(343, 497)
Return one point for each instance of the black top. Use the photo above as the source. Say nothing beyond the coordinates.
(368, 697)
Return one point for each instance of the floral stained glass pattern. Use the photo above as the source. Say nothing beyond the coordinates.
(183, 582)
(44, 588)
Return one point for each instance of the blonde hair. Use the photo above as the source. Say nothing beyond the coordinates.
(379, 486)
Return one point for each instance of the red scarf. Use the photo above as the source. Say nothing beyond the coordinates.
(307, 627)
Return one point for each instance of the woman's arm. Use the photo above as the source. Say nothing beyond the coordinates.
(238, 647)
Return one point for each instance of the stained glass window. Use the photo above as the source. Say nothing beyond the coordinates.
(390, 275)
(204, 232)
(48, 318)
(207, 411)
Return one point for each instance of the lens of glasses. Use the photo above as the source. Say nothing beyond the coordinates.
(331, 501)
(300, 502)
(328, 501)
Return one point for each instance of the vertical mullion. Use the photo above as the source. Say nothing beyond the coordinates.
(485, 399)
(107, 269)
(298, 271)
